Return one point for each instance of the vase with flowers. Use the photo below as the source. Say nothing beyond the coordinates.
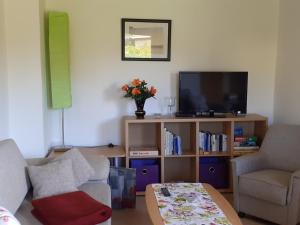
(139, 91)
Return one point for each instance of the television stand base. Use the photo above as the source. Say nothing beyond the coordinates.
(200, 115)
(184, 115)
(214, 116)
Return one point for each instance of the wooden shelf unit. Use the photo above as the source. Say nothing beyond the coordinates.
(150, 132)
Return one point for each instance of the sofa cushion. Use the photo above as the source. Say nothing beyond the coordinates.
(14, 184)
(268, 185)
(52, 178)
(99, 163)
(81, 168)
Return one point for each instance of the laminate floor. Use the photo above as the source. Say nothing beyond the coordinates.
(139, 215)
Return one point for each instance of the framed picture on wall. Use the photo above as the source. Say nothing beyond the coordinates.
(146, 39)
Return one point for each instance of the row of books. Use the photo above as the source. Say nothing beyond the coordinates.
(242, 142)
(245, 143)
(172, 143)
(210, 142)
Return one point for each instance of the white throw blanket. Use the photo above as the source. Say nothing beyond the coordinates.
(6, 218)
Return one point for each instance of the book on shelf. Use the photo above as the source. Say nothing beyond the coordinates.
(212, 142)
(143, 151)
(224, 142)
(177, 145)
(240, 139)
(243, 141)
(172, 143)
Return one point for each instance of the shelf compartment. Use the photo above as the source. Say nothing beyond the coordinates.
(214, 127)
(147, 172)
(144, 135)
(187, 133)
(215, 171)
(180, 169)
(253, 128)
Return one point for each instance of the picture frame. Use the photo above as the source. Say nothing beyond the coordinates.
(145, 39)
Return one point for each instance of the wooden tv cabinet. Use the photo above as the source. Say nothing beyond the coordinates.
(150, 132)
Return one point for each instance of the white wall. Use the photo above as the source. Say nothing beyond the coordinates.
(3, 79)
(206, 35)
(287, 92)
(24, 72)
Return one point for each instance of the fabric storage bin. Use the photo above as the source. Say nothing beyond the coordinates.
(147, 172)
(214, 171)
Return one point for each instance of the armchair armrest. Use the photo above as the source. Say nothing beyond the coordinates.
(248, 163)
(242, 165)
(296, 174)
(293, 200)
(295, 179)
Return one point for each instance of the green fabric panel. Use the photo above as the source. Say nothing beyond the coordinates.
(60, 83)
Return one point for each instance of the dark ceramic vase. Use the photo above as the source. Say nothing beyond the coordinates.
(140, 112)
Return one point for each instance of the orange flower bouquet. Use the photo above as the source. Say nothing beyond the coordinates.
(139, 91)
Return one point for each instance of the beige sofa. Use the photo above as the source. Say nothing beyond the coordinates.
(15, 189)
(267, 184)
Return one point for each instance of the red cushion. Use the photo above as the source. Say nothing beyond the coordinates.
(74, 208)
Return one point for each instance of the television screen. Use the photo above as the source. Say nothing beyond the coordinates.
(222, 92)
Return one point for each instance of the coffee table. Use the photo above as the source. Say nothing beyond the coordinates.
(223, 204)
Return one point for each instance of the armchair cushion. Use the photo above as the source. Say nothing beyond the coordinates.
(268, 185)
(281, 137)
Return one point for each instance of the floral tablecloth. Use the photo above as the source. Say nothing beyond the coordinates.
(189, 204)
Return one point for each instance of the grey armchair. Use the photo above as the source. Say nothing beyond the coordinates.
(267, 184)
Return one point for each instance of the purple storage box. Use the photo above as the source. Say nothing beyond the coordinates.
(147, 172)
(214, 171)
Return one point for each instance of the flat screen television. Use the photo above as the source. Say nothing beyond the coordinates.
(213, 92)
